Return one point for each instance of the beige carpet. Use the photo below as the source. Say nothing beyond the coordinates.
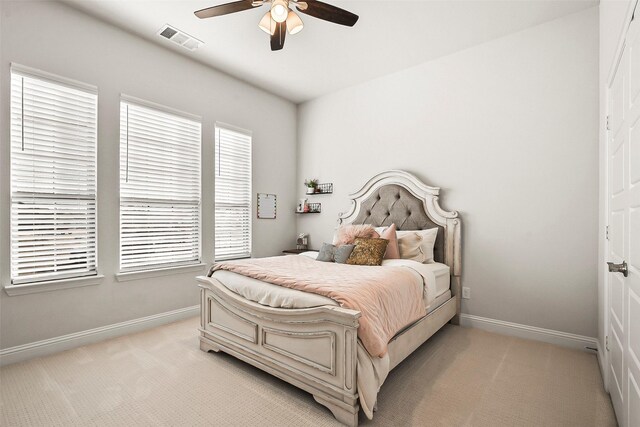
(460, 377)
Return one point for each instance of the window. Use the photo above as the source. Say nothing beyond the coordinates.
(232, 193)
(53, 178)
(159, 188)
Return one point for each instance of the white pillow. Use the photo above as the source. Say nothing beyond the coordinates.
(417, 245)
(380, 230)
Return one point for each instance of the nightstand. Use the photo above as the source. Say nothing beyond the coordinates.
(296, 251)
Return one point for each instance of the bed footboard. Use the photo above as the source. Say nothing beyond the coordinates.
(314, 349)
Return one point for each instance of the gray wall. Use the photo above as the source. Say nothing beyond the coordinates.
(509, 130)
(57, 39)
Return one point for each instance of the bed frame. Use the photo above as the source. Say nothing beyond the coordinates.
(315, 349)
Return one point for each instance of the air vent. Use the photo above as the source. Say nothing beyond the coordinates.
(180, 37)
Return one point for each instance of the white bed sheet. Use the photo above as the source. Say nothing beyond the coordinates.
(269, 294)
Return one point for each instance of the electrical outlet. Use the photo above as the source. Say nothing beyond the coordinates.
(466, 293)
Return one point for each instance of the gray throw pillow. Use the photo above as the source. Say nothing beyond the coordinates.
(342, 253)
(326, 253)
(332, 253)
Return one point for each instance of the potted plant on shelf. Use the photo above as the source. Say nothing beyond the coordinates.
(311, 184)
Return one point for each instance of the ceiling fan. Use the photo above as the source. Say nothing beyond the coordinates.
(281, 17)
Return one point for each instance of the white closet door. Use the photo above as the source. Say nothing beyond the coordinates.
(624, 232)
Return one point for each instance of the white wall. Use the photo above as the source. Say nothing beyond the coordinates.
(614, 18)
(509, 130)
(57, 39)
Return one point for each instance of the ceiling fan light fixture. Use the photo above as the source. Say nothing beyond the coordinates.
(281, 17)
(294, 23)
(279, 10)
(267, 24)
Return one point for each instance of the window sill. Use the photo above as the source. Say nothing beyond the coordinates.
(52, 285)
(144, 274)
(234, 258)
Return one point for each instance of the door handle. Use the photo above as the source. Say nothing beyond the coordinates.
(618, 268)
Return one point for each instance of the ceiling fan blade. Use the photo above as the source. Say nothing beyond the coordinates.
(330, 13)
(224, 9)
(277, 39)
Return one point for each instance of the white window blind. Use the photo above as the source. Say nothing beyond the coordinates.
(159, 188)
(53, 178)
(232, 193)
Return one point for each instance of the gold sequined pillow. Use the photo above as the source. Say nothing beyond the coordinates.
(368, 251)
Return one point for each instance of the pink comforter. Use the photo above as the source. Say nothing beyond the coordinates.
(388, 298)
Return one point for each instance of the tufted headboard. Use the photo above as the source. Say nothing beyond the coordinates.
(394, 204)
(399, 197)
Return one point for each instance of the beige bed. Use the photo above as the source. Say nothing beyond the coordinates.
(310, 341)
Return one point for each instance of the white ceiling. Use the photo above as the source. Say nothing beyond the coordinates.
(390, 36)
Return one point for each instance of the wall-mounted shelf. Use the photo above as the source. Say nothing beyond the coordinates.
(326, 188)
(314, 208)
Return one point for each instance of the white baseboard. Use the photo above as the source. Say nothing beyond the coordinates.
(65, 342)
(550, 336)
(77, 339)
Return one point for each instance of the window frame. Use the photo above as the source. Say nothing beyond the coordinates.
(221, 125)
(65, 280)
(126, 274)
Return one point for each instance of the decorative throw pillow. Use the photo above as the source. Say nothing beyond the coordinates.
(326, 253)
(347, 234)
(343, 253)
(389, 233)
(368, 251)
(409, 247)
(417, 245)
(331, 253)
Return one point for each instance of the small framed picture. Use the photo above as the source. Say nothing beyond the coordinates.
(266, 206)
